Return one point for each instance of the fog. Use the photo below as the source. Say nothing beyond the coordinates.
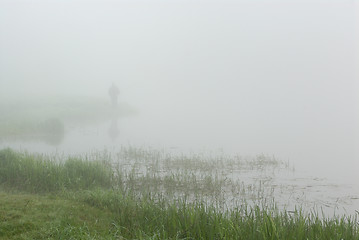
(274, 77)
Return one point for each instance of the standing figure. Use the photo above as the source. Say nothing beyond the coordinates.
(114, 92)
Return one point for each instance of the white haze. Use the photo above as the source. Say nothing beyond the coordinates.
(276, 77)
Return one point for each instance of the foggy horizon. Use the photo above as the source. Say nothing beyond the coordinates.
(280, 77)
(234, 103)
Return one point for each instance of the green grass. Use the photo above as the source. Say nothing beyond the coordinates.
(31, 216)
(90, 198)
(38, 174)
(109, 214)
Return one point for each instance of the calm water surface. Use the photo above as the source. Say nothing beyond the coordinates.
(324, 170)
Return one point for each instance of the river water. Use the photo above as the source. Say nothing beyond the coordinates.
(240, 77)
(324, 169)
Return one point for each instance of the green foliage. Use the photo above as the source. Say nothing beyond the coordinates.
(153, 218)
(85, 200)
(30, 216)
(37, 174)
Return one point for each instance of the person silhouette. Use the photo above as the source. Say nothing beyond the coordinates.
(114, 92)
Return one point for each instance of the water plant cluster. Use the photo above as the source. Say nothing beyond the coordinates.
(220, 179)
(141, 193)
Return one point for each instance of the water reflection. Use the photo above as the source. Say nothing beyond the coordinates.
(113, 130)
(50, 131)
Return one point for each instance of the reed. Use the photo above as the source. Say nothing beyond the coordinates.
(153, 218)
(39, 174)
(136, 200)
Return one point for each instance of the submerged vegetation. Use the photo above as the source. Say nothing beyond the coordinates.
(148, 194)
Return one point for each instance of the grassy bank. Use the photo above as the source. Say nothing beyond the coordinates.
(32, 216)
(79, 198)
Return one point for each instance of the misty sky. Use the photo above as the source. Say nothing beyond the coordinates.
(285, 67)
(264, 48)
